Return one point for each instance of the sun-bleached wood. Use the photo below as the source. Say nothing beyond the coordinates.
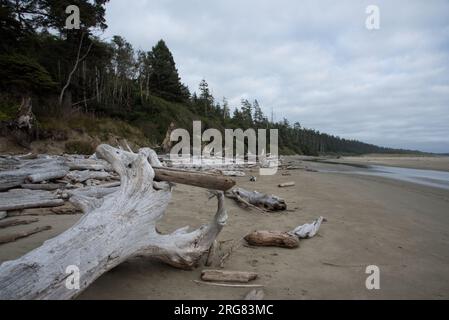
(114, 228)
(227, 275)
(81, 176)
(260, 200)
(48, 175)
(19, 235)
(194, 178)
(272, 238)
(17, 199)
(16, 222)
(18, 170)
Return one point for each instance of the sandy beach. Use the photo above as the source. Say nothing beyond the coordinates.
(399, 226)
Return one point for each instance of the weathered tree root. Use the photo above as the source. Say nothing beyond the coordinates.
(257, 200)
(114, 228)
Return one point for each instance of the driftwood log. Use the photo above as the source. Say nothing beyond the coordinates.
(194, 178)
(286, 184)
(18, 171)
(81, 176)
(15, 236)
(16, 222)
(17, 199)
(42, 186)
(256, 199)
(114, 228)
(272, 238)
(225, 275)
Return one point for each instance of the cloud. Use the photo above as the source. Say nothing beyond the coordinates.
(311, 61)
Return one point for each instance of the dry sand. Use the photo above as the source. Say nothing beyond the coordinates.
(401, 227)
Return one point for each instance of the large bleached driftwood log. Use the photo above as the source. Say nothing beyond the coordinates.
(260, 200)
(114, 228)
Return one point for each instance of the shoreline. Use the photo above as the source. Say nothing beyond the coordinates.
(399, 226)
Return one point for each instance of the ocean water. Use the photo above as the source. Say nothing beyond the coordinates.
(432, 178)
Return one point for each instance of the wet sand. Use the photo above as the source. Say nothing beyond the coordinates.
(405, 161)
(401, 227)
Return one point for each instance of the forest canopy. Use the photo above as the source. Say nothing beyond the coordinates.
(74, 70)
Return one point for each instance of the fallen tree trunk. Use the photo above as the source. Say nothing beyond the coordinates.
(272, 238)
(232, 276)
(114, 228)
(194, 178)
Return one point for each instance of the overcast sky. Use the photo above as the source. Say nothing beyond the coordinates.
(311, 61)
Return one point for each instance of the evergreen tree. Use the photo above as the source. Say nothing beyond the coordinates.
(164, 79)
(226, 113)
(247, 113)
(206, 100)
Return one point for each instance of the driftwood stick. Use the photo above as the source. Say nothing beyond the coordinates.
(231, 285)
(225, 275)
(235, 245)
(211, 254)
(16, 222)
(13, 237)
(286, 184)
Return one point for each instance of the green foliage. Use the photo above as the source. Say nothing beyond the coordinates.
(21, 73)
(164, 79)
(8, 108)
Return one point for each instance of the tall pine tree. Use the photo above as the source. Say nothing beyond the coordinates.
(164, 79)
